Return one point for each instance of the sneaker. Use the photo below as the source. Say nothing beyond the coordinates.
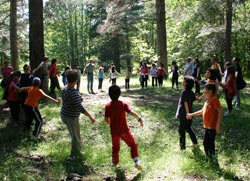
(138, 166)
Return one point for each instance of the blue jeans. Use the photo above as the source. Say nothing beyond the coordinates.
(90, 79)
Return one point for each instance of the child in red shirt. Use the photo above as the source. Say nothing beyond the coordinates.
(212, 116)
(115, 116)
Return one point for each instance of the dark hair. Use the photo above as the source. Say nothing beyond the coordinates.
(15, 74)
(173, 62)
(213, 74)
(227, 64)
(211, 87)
(53, 61)
(230, 70)
(67, 67)
(161, 64)
(36, 82)
(45, 58)
(236, 59)
(25, 66)
(190, 82)
(114, 92)
(113, 69)
(72, 76)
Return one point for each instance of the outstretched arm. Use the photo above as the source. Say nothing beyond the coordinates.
(52, 99)
(197, 113)
(92, 119)
(135, 115)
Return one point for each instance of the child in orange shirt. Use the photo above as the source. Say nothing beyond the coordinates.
(212, 115)
(31, 106)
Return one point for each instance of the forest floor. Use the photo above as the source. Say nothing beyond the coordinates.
(47, 159)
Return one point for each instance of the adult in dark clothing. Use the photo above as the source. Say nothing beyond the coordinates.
(239, 80)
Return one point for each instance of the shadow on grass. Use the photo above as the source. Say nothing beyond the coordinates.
(77, 167)
(211, 165)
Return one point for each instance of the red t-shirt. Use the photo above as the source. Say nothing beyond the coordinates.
(160, 71)
(116, 112)
(12, 94)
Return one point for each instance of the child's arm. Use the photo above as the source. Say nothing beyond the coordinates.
(186, 107)
(218, 124)
(52, 99)
(86, 113)
(197, 113)
(135, 115)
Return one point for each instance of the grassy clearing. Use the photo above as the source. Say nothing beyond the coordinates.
(25, 159)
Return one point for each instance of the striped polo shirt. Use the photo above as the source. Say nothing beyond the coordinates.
(71, 103)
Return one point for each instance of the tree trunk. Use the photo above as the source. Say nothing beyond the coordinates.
(13, 34)
(161, 32)
(228, 33)
(36, 34)
(116, 48)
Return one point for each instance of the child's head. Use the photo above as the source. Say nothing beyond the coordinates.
(67, 68)
(173, 63)
(53, 61)
(114, 92)
(211, 74)
(15, 75)
(72, 76)
(36, 82)
(188, 82)
(209, 90)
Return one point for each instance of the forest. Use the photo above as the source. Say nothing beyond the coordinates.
(125, 33)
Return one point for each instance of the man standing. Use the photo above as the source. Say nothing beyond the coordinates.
(187, 71)
(42, 72)
(89, 70)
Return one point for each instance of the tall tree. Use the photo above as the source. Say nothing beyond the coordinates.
(228, 33)
(36, 35)
(13, 34)
(161, 32)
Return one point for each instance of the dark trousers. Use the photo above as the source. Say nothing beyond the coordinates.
(160, 80)
(30, 114)
(175, 81)
(54, 84)
(126, 83)
(229, 101)
(100, 83)
(14, 111)
(113, 81)
(185, 126)
(209, 142)
(197, 87)
(144, 81)
(155, 80)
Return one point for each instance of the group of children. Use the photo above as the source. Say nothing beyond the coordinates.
(115, 110)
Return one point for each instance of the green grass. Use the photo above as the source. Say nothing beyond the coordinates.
(157, 140)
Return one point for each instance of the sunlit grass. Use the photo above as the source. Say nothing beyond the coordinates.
(158, 143)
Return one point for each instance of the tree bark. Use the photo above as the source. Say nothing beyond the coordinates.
(13, 35)
(228, 33)
(36, 34)
(161, 32)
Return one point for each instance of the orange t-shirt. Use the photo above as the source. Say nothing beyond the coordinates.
(210, 113)
(34, 95)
